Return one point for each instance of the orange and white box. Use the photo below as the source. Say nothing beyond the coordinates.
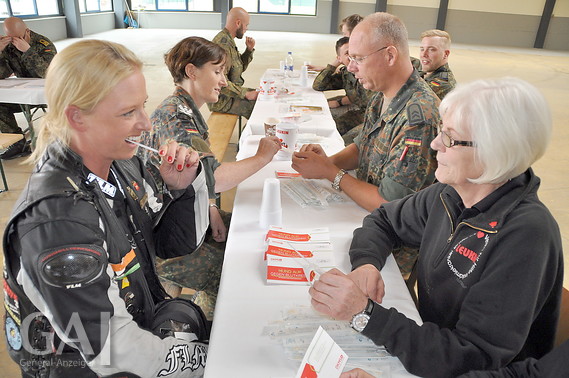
(299, 236)
(285, 266)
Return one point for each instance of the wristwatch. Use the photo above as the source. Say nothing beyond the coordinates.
(360, 320)
(337, 179)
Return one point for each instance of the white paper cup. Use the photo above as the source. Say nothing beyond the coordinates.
(288, 135)
(271, 208)
(271, 126)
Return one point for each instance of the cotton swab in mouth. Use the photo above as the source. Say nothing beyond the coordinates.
(201, 154)
(143, 146)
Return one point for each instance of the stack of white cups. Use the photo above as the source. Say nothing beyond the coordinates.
(271, 209)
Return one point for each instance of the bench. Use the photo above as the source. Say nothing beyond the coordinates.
(6, 140)
(221, 126)
(563, 326)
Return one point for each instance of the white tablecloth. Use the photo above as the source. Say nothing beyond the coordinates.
(22, 91)
(246, 303)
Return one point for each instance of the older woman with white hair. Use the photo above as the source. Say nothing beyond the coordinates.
(490, 266)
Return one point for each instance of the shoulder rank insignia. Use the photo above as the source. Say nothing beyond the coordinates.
(185, 110)
(44, 42)
(415, 114)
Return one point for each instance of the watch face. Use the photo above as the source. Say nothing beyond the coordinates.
(360, 322)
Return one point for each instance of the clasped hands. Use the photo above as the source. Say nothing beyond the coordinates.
(18, 42)
(341, 296)
(312, 163)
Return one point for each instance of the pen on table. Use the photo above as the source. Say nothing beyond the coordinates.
(201, 154)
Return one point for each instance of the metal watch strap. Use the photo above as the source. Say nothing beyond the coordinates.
(337, 179)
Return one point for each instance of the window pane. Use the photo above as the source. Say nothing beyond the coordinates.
(22, 7)
(172, 4)
(273, 6)
(143, 4)
(106, 5)
(92, 5)
(82, 6)
(3, 9)
(305, 7)
(200, 5)
(248, 5)
(47, 7)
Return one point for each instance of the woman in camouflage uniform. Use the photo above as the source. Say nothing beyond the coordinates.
(197, 67)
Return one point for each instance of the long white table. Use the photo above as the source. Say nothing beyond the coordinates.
(246, 303)
(26, 92)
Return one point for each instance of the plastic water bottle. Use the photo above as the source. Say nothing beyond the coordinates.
(289, 65)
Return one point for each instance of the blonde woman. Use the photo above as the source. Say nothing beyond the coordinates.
(84, 235)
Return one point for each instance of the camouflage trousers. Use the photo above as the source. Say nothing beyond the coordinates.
(200, 270)
(347, 116)
(406, 258)
(8, 123)
(233, 105)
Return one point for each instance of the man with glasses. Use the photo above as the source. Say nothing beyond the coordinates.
(391, 155)
(235, 98)
(23, 53)
(348, 110)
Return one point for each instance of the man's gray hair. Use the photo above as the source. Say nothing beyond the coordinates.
(389, 30)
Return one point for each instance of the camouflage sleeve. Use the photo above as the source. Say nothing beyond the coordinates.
(170, 124)
(440, 87)
(233, 89)
(411, 164)
(5, 68)
(328, 80)
(246, 58)
(38, 57)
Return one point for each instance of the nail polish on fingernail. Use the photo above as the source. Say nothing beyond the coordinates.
(180, 166)
(170, 159)
(161, 152)
(188, 165)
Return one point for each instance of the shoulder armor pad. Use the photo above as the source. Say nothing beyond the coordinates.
(72, 266)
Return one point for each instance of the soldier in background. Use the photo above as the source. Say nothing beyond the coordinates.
(23, 53)
(348, 110)
(235, 98)
(391, 155)
(434, 52)
(432, 66)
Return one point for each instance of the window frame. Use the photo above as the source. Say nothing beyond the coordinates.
(33, 15)
(157, 9)
(95, 11)
(287, 13)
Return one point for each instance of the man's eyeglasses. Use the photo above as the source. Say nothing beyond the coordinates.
(359, 60)
(449, 142)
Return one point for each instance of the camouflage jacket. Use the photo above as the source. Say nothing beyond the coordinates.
(441, 80)
(32, 63)
(328, 80)
(394, 151)
(178, 118)
(236, 64)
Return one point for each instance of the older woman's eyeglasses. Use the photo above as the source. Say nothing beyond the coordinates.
(360, 59)
(449, 142)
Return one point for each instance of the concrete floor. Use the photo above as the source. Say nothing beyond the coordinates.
(547, 70)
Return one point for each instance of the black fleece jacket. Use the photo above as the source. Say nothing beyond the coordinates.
(489, 277)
